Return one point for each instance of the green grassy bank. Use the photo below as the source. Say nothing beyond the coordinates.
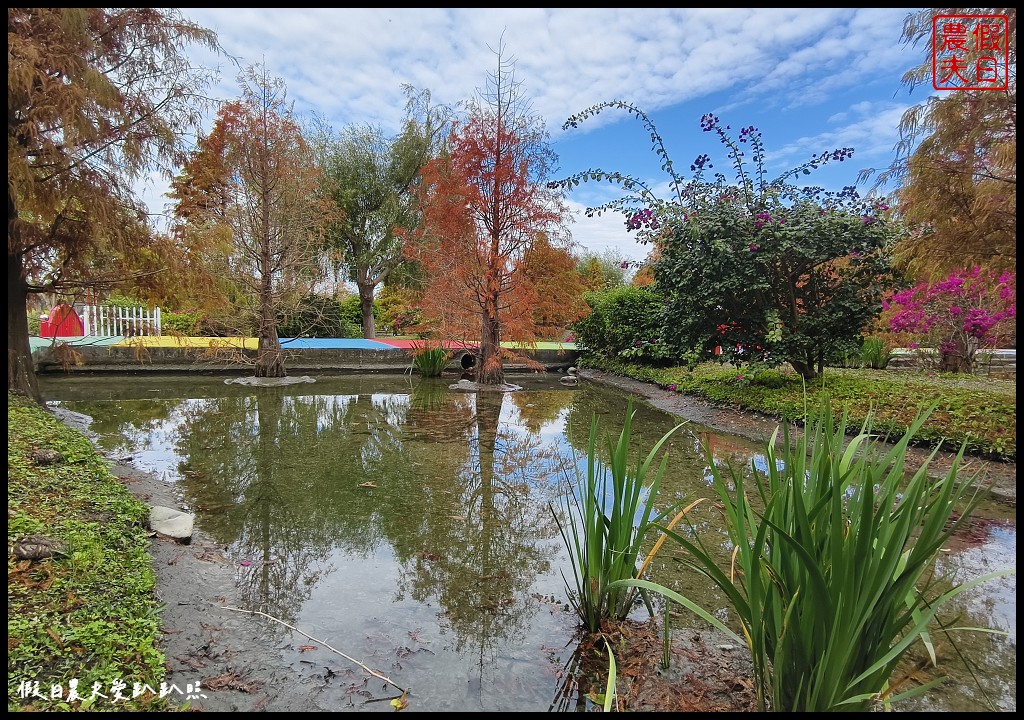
(981, 411)
(88, 612)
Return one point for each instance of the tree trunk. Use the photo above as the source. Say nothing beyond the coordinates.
(805, 368)
(491, 371)
(960, 357)
(269, 355)
(366, 307)
(21, 371)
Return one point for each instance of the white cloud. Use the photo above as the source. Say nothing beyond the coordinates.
(606, 232)
(873, 131)
(349, 65)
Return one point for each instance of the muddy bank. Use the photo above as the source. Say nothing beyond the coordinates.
(226, 651)
(1000, 478)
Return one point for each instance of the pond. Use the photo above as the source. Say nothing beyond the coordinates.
(410, 525)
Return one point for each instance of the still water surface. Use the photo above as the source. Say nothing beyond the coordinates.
(411, 527)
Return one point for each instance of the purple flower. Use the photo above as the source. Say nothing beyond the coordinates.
(673, 387)
(754, 248)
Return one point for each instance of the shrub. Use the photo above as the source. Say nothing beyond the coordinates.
(624, 322)
(407, 320)
(763, 269)
(318, 317)
(875, 353)
(352, 313)
(430, 359)
(957, 316)
(394, 308)
(180, 323)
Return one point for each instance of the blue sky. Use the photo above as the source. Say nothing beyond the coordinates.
(810, 79)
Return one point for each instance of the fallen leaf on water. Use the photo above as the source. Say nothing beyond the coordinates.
(307, 648)
(368, 485)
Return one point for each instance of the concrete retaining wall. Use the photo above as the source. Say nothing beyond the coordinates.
(990, 362)
(113, 359)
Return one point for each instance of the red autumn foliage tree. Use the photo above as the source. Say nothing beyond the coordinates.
(484, 205)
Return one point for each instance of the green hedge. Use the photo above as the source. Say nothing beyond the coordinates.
(624, 322)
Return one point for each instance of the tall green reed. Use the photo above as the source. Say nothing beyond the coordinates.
(610, 515)
(875, 353)
(832, 578)
(429, 359)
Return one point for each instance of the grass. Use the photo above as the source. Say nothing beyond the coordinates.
(89, 613)
(980, 412)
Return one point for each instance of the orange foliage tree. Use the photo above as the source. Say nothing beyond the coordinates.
(956, 162)
(96, 99)
(557, 288)
(253, 183)
(484, 204)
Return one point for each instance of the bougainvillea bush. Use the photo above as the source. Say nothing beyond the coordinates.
(754, 270)
(949, 321)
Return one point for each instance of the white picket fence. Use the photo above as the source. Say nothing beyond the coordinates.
(124, 321)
